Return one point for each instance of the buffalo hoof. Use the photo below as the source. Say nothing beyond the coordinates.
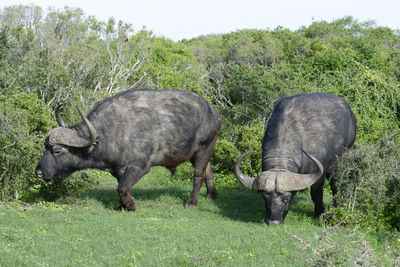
(121, 208)
(189, 203)
(213, 195)
(127, 204)
(273, 222)
(318, 211)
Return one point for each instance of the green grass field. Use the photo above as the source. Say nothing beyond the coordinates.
(88, 231)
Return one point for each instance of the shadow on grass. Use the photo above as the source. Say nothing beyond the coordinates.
(236, 204)
(249, 206)
(240, 205)
(302, 205)
(110, 198)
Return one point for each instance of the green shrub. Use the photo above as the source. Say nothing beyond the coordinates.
(53, 190)
(250, 138)
(369, 186)
(24, 121)
(230, 146)
(223, 161)
(225, 155)
(184, 172)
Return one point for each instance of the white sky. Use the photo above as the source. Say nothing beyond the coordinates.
(179, 19)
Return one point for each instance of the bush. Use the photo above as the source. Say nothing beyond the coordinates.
(224, 157)
(53, 190)
(340, 246)
(369, 186)
(246, 137)
(223, 160)
(184, 172)
(24, 121)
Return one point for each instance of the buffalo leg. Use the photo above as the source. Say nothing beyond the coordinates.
(208, 176)
(332, 183)
(211, 190)
(130, 177)
(202, 170)
(197, 182)
(317, 197)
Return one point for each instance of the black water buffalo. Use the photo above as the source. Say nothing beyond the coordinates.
(129, 132)
(304, 136)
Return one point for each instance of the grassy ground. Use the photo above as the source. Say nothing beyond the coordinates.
(87, 230)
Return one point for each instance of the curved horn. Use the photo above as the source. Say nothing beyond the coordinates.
(265, 181)
(244, 179)
(69, 137)
(289, 181)
(92, 130)
(60, 121)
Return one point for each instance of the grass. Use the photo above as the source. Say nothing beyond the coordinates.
(87, 230)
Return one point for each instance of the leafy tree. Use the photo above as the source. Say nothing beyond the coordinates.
(173, 66)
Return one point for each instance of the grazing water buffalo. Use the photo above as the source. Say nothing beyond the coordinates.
(304, 136)
(129, 132)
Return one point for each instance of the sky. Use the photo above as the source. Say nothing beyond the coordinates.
(185, 19)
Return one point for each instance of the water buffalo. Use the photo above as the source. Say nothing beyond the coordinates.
(131, 131)
(304, 136)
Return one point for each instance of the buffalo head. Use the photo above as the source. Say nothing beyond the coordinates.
(66, 151)
(277, 187)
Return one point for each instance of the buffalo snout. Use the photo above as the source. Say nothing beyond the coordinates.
(273, 222)
(43, 173)
(39, 173)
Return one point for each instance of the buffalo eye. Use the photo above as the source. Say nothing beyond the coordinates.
(56, 150)
(285, 197)
(286, 200)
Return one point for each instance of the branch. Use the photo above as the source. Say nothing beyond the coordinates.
(10, 145)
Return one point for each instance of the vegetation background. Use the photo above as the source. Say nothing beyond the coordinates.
(66, 59)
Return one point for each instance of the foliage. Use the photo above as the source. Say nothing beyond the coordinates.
(54, 190)
(368, 186)
(331, 248)
(230, 147)
(173, 66)
(358, 61)
(66, 53)
(24, 121)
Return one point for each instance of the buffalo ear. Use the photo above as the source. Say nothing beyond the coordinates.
(93, 146)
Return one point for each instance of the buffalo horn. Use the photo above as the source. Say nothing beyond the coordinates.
(279, 179)
(92, 130)
(289, 181)
(265, 181)
(244, 179)
(70, 137)
(59, 119)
